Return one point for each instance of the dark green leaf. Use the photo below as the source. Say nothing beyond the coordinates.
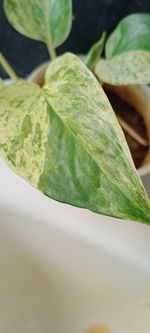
(95, 52)
(132, 33)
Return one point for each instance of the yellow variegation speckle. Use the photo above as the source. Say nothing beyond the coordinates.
(126, 68)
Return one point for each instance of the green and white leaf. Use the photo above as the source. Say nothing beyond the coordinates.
(46, 20)
(65, 140)
(23, 129)
(95, 52)
(126, 68)
(94, 166)
(132, 33)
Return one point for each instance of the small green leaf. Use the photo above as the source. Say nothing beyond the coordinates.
(65, 140)
(46, 20)
(132, 33)
(126, 68)
(95, 52)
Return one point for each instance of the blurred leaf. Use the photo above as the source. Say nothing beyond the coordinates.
(95, 52)
(126, 68)
(65, 140)
(46, 20)
(132, 33)
(1, 83)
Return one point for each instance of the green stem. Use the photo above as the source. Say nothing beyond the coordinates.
(7, 67)
(51, 51)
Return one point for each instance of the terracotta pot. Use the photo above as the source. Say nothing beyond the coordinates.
(138, 96)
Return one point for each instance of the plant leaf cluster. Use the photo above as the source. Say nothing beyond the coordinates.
(64, 138)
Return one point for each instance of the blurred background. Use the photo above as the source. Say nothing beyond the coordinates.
(90, 19)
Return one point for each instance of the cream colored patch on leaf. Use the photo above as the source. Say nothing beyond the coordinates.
(23, 129)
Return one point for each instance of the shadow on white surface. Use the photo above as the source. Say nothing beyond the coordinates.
(63, 269)
(54, 282)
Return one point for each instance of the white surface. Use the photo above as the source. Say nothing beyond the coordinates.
(64, 269)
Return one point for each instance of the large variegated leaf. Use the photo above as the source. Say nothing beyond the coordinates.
(132, 33)
(65, 140)
(95, 52)
(45, 20)
(89, 152)
(126, 68)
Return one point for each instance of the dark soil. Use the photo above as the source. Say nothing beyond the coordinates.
(135, 120)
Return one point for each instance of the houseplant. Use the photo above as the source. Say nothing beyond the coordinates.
(64, 138)
(130, 101)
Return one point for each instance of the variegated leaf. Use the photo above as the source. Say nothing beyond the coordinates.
(65, 140)
(89, 163)
(126, 68)
(132, 33)
(45, 20)
(23, 129)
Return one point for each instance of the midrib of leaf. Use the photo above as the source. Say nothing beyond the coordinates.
(89, 153)
(50, 47)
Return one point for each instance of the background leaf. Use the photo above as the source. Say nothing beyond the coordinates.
(132, 33)
(65, 140)
(46, 20)
(126, 68)
(95, 52)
